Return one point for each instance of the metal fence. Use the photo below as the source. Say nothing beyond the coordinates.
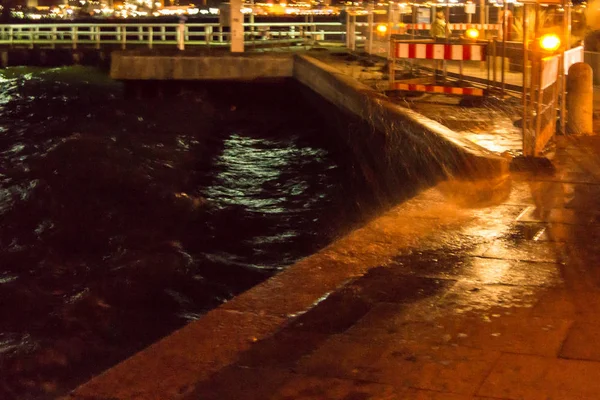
(150, 35)
(541, 104)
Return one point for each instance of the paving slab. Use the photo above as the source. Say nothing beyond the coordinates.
(402, 363)
(506, 333)
(581, 342)
(304, 387)
(518, 376)
(419, 394)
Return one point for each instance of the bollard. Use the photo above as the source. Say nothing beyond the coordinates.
(580, 99)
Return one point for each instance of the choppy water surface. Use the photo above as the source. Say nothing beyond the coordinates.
(122, 219)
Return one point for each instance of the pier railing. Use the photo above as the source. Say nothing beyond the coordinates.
(160, 34)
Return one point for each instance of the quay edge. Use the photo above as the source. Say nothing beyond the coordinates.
(172, 367)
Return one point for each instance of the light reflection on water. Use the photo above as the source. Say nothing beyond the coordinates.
(122, 220)
(264, 182)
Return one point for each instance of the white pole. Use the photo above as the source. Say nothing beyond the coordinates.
(236, 26)
(181, 35)
(348, 29)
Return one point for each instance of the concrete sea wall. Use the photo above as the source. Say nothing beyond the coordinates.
(400, 127)
(47, 57)
(147, 65)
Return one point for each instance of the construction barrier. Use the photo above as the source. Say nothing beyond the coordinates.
(456, 27)
(363, 26)
(415, 87)
(540, 105)
(571, 57)
(422, 29)
(440, 51)
(439, 54)
(481, 27)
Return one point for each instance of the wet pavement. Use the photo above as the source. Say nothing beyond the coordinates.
(490, 125)
(496, 301)
(470, 290)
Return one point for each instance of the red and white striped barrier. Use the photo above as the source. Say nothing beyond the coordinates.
(440, 51)
(456, 27)
(419, 27)
(436, 51)
(481, 27)
(413, 87)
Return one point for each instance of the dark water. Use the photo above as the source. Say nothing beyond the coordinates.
(123, 219)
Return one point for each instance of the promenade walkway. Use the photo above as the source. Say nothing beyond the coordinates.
(469, 290)
(473, 297)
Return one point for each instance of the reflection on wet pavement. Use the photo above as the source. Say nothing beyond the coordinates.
(491, 125)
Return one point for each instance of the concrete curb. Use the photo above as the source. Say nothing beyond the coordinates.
(460, 157)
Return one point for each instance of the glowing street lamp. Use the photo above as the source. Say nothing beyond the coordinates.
(549, 42)
(472, 33)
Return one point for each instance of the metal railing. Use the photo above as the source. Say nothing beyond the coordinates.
(153, 34)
